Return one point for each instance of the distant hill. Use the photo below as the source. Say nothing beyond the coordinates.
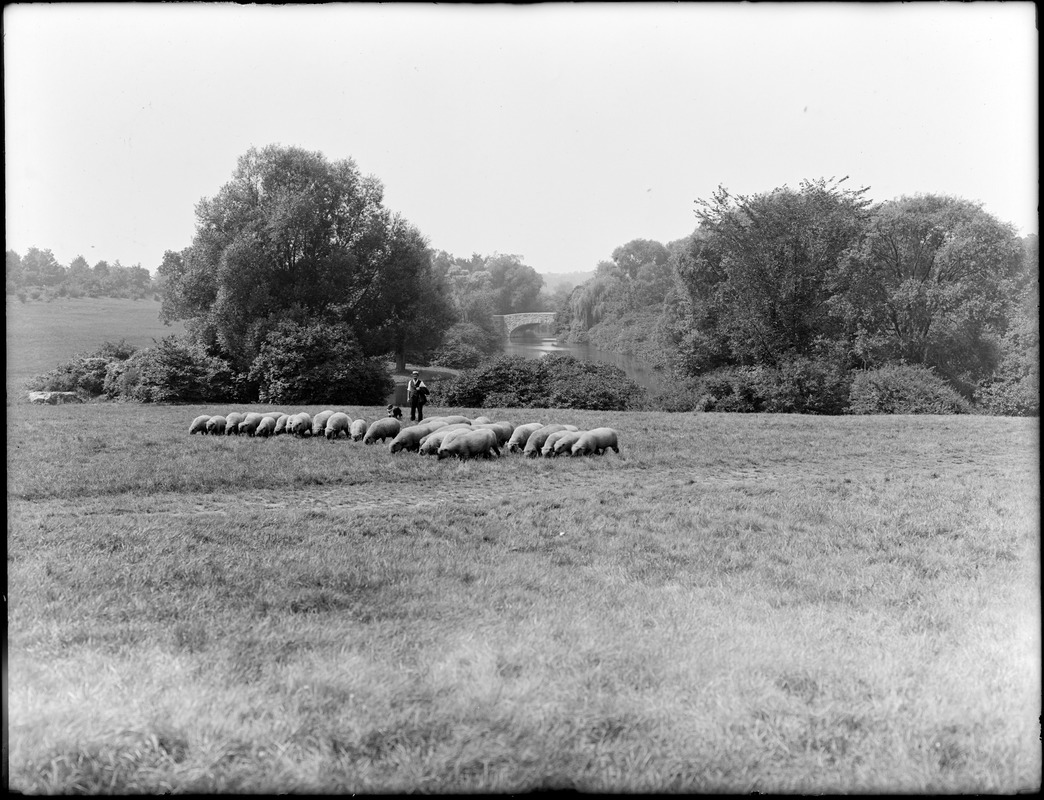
(552, 280)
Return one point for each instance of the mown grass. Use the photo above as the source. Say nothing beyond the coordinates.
(734, 603)
(41, 335)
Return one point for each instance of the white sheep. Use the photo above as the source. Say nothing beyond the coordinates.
(521, 434)
(548, 448)
(232, 423)
(537, 438)
(319, 422)
(249, 423)
(336, 425)
(280, 426)
(431, 443)
(409, 438)
(469, 444)
(502, 429)
(199, 424)
(358, 429)
(300, 424)
(597, 441)
(266, 427)
(216, 425)
(381, 430)
(565, 442)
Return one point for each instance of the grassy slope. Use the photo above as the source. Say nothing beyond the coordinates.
(746, 603)
(41, 335)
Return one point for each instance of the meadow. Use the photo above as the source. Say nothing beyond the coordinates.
(40, 334)
(733, 603)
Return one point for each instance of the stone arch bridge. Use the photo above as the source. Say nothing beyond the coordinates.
(509, 323)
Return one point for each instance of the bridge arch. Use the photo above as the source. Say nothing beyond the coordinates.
(509, 323)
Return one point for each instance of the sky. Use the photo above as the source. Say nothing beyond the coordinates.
(556, 132)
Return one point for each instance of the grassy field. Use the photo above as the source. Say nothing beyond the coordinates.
(41, 335)
(733, 603)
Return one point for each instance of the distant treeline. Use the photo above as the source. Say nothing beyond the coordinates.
(38, 276)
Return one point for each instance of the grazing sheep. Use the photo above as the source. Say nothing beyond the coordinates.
(564, 445)
(280, 426)
(300, 424)
(358, 429)
(551, 448)
(382, 429)
(502, 429)
(216, 425)
(199, 424)
(266, 427)
(521, 434)
(337, 424)
(409, 439)
(537, 438)
(319, 422)
(481, 421)
(596, 442)
(454, 419)
(431, 443)
(232, 423)
(250, 423)
(469, 444)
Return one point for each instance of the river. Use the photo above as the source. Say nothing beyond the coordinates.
(532, 344)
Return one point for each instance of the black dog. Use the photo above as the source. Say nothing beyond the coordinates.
(395, 412)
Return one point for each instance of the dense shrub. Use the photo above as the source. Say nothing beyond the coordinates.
(554, 381)
(318, 363)
(84, 374)
(121, 378)
(175, 372)
(903, 389)
(1018, 397)
(804, 386)
(797, 386)
(681, 396)
(735, 389)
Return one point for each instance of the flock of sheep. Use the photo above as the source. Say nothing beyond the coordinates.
(450, 436)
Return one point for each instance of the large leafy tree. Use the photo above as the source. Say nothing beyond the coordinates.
(410, 307)
(772, 274)
(292, 236)
(41, 268)
(931, 283)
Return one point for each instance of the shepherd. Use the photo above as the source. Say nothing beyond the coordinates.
(417, 394)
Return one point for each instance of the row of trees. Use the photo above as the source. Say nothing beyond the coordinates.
(775, 298)
(821, 276)
(38, 274)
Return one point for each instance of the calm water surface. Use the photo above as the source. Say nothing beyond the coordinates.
(531, 344)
